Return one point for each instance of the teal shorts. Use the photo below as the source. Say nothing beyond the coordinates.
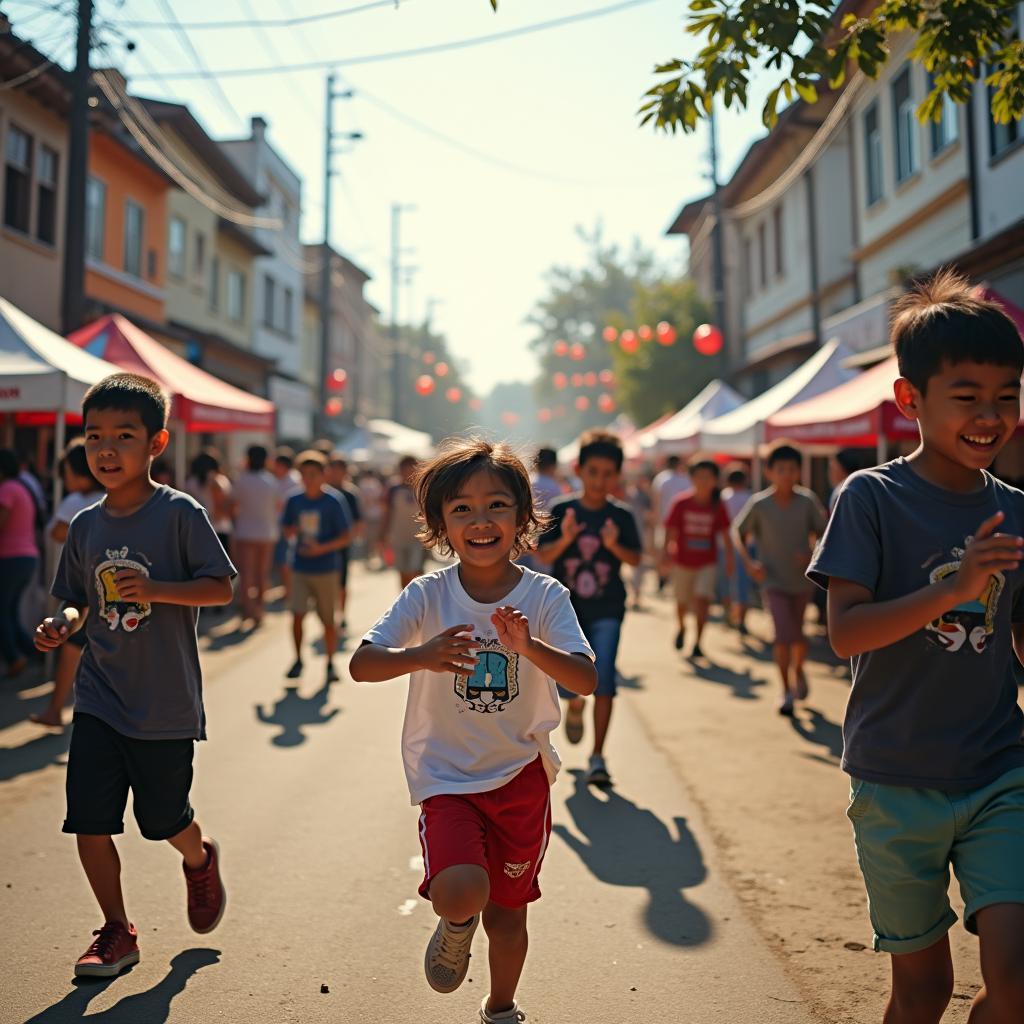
(907, 839)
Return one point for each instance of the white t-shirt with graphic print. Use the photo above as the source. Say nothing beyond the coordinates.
(472, 734)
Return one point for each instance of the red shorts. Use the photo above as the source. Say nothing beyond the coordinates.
(505, 831)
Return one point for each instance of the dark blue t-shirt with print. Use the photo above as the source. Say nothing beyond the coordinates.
(321, 520)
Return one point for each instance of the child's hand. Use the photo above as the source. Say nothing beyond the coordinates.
(757, 572)
(311, 549)
(571, 527)
(513, 629)
(988, 553)
(51, 633)
(609, 533)
(133, 585)
(450, 651)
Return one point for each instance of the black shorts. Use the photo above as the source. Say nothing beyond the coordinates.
(103, 765)
(343, 568)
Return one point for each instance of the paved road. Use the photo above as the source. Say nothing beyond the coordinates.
(303, 786)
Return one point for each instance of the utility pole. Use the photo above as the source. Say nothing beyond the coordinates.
(330, 135)
(73, 297)
(397, 348)
(718, 244)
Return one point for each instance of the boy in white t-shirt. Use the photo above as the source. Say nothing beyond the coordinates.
(484, 641)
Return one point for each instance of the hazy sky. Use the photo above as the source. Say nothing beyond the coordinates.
(551, 115)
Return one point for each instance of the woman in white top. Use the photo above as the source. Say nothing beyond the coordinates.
(255, 501)
(212, 489)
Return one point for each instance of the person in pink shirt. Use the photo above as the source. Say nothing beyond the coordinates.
(19, 557)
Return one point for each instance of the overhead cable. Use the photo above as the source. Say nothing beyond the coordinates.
(253, 22)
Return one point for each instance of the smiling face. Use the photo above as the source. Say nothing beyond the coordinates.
(966, 415)
(481, 521)
(599, 477)
(119, 449)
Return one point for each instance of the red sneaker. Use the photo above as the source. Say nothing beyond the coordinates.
(206, 896)
(114, 948)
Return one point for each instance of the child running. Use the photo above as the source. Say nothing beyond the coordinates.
(134, 572)
(693, 526)
(483, 640)
(922, 561)
(589, 537)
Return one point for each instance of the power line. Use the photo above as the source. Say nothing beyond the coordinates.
(252, 21)
(420, 51)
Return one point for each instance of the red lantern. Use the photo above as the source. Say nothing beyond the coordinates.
(582, 403)
(577, 380)
(606, 403)
(629, 341)
(578, 352)
(645, 333)
(561, 347)
(560, 381)
(453, 395)
(333, 406)
(476, 404)
(337, 381)
(429, 358)
(544, 415)
(606, 377)
(590, 379)
(708, 340)
(441, 370)
(425, 384)
(666, 333)
(510, 419)
(610, 335)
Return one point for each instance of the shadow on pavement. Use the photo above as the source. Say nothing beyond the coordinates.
(629, 682)
(626, 845)
(150, 1007)
(743, 684)
(292, 712)
(44, 750)
(811, 725)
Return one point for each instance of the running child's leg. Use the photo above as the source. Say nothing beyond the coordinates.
(507, 946)
(189, 843)
(922, 985)
(297, 634)
(703, 606)
(1001, 935)
(781, 653)
(460, 892)
(102, 866)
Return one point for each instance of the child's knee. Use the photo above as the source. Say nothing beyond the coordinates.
(460, 891)
(505, 925)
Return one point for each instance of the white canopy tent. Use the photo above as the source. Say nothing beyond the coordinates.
(41, 372)
(680, 434)
(382, 441)
(741, 432)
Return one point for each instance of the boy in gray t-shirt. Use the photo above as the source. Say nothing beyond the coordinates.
(134, 572)
(922, 561)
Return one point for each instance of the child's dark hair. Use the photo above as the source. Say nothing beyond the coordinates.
(784, 453)
(285, 456)
(256, 456)
(707, 464)
(736, 476)
(849, 459)
(74, 458)
(206, 462)
(130, 392)
(941, 321)
(439, 479)
(600, 444)
(547, 458)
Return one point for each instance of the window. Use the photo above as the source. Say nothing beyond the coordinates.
(269, 302)
(199, 262)
(215, 283)
(872, 154)
(946, 130)
(236, 295)
(780, 266)
(95, 217)
(286, 318)
(748, 264)
(18, 181)
(133, 225)
(176, 247)
(762, 253)
(46, 196)
(905, 126)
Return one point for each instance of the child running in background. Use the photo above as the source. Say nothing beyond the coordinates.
(483, 640)
(735, 496)
(922, 561)
(694, 524)
(134, 572)
(785, 520)
(401, 528)
(589, 537)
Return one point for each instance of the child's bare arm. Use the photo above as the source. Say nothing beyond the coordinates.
(53, 631)
(575, 672)
(203, 591)
(447, 652)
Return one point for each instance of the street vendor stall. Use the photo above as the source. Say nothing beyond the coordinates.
(679, 434)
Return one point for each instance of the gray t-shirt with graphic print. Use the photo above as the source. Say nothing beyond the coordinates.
(139, 671)
(939, 708)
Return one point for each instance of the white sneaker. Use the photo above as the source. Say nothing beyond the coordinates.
(513, 1016)
(447, 958)
(597, 772)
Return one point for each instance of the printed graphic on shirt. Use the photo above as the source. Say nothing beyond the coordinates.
(113, 609)
(972, 622)
(583, 576)
(309, 524)
(494, 682)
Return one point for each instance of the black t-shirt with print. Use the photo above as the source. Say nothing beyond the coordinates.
(590, 571)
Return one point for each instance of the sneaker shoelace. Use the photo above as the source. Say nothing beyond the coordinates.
(200, 887)
(105, 941)
(451, 947)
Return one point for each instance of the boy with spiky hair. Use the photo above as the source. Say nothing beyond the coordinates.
(922, 561)
(135, 570)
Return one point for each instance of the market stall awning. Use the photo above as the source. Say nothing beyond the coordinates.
(381, 441)
(741, 431)
(200, 401)
(41, 372)
(679, 434)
